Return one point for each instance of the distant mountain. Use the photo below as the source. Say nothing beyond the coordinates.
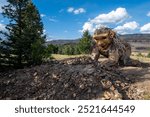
(128, 37)
(62, 42)
(136, 37)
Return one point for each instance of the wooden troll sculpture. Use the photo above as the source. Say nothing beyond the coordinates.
(109, 45)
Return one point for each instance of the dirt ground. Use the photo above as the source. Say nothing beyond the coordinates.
(32, 79)
(141, 77)
(72, 78)
(140, 74)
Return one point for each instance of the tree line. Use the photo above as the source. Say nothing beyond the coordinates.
(84, 46)
(23, 41)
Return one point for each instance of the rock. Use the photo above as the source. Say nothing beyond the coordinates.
(106, 84)
(35, 74)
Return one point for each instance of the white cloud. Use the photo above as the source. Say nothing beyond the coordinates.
(53, 20)
(148, 14)
(80, 10)
(43, 15)
(76, 11)
(145, 28)
(119, 15)
(70, 9)
(127, 27)
(2, 27)
(88, 26)
(113, 17)
(91, 27)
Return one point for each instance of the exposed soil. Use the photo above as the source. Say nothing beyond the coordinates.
(75, 78)
(141, 76)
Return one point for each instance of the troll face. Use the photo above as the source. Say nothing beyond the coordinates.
(103, 37)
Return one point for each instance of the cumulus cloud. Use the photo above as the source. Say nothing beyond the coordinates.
(91, 27)
(119, 15)
(80, 10)
(148, 14)
(76, 11)
(113, 17)
(88, 26)
(145, 28)
(70, 9)
(127, 27)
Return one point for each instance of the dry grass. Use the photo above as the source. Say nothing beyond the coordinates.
(147, 96)
(61, 57)
(142, 59)
(141, 56)
(135, 55)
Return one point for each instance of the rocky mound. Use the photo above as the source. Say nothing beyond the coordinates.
(77, 78)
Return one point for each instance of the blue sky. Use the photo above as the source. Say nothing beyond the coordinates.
(67, 19)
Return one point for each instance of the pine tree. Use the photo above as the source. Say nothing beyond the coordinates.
(24, 32)
(1, 47)
(34, 35)
(85, 43)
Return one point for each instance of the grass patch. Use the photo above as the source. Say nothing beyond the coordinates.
(61, 57)
(143, 57)
(147, 96)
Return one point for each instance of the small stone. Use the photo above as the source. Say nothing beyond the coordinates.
(122, 84)
(54, 75)
(112, 88)
(35, 74)
(107, 95)
(74, 95)
(81, 86)
(66, 86)
(106, 83)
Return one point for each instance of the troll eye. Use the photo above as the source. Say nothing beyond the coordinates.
(103, 37)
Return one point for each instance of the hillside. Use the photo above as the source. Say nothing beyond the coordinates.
(136, 37)
(62, 41)
(139, 42)
(128, 37)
